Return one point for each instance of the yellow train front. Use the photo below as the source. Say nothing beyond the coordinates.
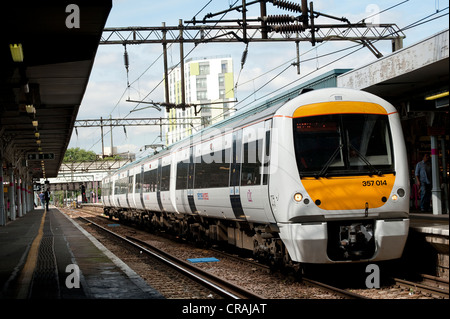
(339, 185)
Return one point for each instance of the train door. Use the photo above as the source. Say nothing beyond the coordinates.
(106, 191)
(140, 180)
(150, 182)
(129, 189)
(190, 181)
(253, 189)
(165, 184)
(235, 176)
(136, 187)
(158, 184)
(181, 165)
(265, 170)
(112, 196)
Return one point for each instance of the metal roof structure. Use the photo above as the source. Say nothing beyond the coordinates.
(407, 75)
(57, 42)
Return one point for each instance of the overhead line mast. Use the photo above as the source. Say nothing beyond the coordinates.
(265, 28)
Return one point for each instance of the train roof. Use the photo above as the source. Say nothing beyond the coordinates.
(264, 110)
(240, 119)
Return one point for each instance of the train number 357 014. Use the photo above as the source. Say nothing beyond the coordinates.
(379, 182)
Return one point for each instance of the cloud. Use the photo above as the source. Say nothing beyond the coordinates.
(100, 99)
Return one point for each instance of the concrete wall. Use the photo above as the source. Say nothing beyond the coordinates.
(398, 63)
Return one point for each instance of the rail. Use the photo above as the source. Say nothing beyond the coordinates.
(219, 286)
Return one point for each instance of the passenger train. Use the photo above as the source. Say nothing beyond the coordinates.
(320, 178)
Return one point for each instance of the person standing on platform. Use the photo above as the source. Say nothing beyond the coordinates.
(423, 180)
(42, 198)
(47, 198)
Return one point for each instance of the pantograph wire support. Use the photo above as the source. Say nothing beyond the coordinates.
(126, 61)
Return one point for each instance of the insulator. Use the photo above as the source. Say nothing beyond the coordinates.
(125, 60)
(125, 57)
(279, 19)
(288, 28)
(244, 57)
(287, 5)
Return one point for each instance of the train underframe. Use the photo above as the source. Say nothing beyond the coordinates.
(259, 239)
(347, 240)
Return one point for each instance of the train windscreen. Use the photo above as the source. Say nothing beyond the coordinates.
(343, 144)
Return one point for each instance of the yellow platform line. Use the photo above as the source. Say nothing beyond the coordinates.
(26, 275)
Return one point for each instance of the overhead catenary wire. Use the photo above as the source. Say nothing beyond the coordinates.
(184, 57)
(421, 21)
(414, 24)
(126, 61)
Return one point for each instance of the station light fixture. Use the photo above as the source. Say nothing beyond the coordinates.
(38, 142)
(30, 108)
(16, 52)
(35, 123)
(36, 134)
(436, 96)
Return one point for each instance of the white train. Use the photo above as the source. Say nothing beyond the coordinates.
(321, 178)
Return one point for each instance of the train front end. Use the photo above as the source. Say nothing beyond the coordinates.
(342, 166)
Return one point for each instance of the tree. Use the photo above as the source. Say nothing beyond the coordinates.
(79, 155)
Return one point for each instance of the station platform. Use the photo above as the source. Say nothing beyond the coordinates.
(427, 247)
(429, 223)
(41, 252)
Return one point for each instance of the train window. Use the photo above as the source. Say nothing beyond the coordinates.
(212, 174)
(342, 144)
(182, 175)
(165, 178)
(368, 140)
(122, 185)
(105, 189)
(317, 142)
(130, 184)
(138, 183)
(150, 181)
(115, 188)
(251, 166)
(146, 182)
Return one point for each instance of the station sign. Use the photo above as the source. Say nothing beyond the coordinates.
(40, 157)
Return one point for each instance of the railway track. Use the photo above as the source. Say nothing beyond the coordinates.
(220, 287)
(307, 281)
(400, 290)
(340, 292)
(225, 285)
(430, 285)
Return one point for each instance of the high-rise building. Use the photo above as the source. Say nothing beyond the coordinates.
(209, 84)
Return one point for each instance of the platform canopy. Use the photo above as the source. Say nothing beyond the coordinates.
(47, 51)
(416, 76)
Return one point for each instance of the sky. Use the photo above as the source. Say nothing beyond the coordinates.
(266, 71)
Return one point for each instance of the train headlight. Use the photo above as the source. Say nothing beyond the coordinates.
(401, 192)
(298, 197)
(394, 197)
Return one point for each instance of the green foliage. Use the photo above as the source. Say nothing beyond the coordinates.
(79, 155)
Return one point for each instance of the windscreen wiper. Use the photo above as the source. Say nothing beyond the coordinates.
(365, 160)
(328, 163)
